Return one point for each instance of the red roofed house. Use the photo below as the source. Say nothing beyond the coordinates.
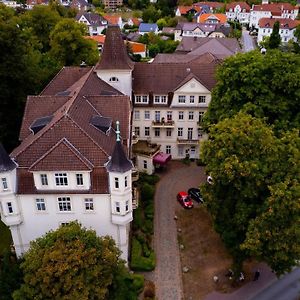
(114, 20)
(185, 10)
(287, 28)
(212, 19)
(72, 162)
(76, 137)
(112, 4)
(238, 11)
(274, 10)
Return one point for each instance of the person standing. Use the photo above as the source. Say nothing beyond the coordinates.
(256, 275)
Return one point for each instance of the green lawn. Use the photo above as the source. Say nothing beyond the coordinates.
(5, 237)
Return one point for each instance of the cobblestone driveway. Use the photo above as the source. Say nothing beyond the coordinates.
(167, 274)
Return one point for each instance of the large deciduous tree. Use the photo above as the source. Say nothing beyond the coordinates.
(249, 165)
(69, 46)
(69, 263)
(266, 86)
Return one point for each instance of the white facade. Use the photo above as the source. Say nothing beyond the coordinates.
(286, 34)
(119, 79)
(239, 14)
(176, 127)
(31, 216)
(93, 30)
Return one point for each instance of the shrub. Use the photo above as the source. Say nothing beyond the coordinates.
(137, 219)
(148, 227)
(138, 282)
(149, 211)
(147, 193)
(150, 179)
(200, 162)
(139, 262)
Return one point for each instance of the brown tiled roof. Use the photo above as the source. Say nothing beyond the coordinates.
(205, 58)
(283, 23)
(64, 155)
(204, 18)
(69, 141)
(217, 46)
(64, 79)
(164, 78)
(274, 8)
(114, 55)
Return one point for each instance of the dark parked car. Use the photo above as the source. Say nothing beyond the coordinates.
(195, 194)
(185, 200)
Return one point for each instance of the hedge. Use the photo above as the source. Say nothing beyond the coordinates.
(138, 261)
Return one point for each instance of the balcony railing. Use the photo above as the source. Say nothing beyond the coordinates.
(163, 124)
(187, 141)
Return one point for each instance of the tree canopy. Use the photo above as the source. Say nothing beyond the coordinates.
(251, 168)
(275, 38)
(266, 86)
(69, 263)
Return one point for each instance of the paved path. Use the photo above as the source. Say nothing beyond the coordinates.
(248, 43)
(167, 274)
(286, 288)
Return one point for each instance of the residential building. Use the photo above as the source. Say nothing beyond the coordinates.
(112, 4)
(95, 23)
(287, 28)
(212, 18)
(238, 11)
(72, 163)
(210, 6)
(274, 10)
(81, 5)
(220, 47)
(189, 29)
(186, 10)
(147, 28)
(114, 20)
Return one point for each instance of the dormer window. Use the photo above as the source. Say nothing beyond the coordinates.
(4, 183)
(116, 182)
(181, 99)
(113, 79)
(61, 179)
(44, 179)
(79, 179)
(141, 99)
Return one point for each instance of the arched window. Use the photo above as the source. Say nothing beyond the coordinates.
(113, 79)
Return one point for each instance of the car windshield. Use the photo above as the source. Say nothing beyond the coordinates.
(186, 199)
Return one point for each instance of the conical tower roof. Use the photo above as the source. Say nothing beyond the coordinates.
(6, 163)
(119, 162)
(114, 55)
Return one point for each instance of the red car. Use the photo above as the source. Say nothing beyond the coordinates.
(185, 200)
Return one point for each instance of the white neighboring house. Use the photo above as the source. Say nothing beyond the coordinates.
(72, 163)
(274, 10)
(95, 23)
(12, 4)
(238, 11)
(287, 28)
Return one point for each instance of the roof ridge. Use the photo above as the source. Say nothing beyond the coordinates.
(56, 75)
(72, 148)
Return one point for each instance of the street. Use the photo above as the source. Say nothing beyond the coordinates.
(247, 41)
(286, 288)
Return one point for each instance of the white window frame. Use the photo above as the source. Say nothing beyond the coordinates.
(202, 99)
(4, 183)
(157, 132)
(118, 207)
(169, 115)
(145, 164)
(89, 204)
(64, 204)
(180, 132)
(157, 115)
(126, 181)
(147, 131)
(79, 179)
(191, 115)
(181, 115)
(137, 131)
(136, 114)
(9, 207)
(168, 132)
(61, 179)
(147, 115)
(40, 204)
(127, 205)
(44, 179)
(138, 99)
(181, 98)
(192, 99)
(114, 78)
(117, 183)
(168, 149)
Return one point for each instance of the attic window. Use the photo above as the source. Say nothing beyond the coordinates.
(101, 123)
(113, 79)
(40, 123)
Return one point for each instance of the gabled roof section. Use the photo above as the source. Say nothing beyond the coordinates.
(119, 162)
(283, 23)
(188, 78)
(114, 55)
(6, 163)
(62, 156)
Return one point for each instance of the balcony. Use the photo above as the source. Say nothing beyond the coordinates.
(187, 141)
(135, 198)
(163, 124)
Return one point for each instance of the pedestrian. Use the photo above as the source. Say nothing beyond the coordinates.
(242, 277)
(229, 274)
(256, 275)
(216, 278)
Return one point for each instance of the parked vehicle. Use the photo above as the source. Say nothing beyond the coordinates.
(195, 194)
(185, 200)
